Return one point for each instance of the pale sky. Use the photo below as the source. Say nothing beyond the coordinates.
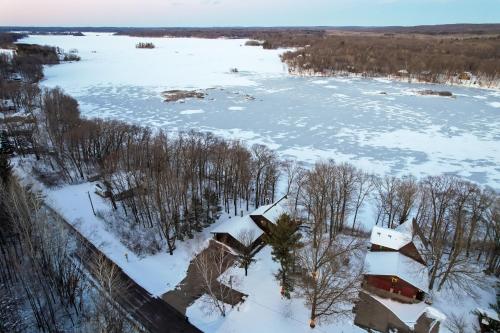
(204, 13)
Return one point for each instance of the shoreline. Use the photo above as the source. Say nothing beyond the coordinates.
(394, 78)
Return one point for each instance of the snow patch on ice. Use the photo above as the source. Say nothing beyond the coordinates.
(194, 111)
(236, 108)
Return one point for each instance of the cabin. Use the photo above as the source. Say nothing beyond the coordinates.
(267, 216)
(489, 321)
(395, 240)
(375, 313)
(395, 285)
(232, 231)
(396, 276)
(7, 106)
(257, 223)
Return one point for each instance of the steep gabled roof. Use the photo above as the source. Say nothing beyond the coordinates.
(396, 264)
(270, 212)
(238, 225)
(410, 313)
(390, 238)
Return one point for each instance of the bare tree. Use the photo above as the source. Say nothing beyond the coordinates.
(107, 315)
(363, 188)
(245, 257)
(212, 265)
(330, 281)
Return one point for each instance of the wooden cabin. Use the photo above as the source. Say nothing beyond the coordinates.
(232, 232)
(395, 283)
(395, 276)
(489, 320)
(394, 240)
(375, 313)
(267, 216)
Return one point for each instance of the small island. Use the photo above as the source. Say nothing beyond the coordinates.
(180, 95)
(436, 93)
(145, 45)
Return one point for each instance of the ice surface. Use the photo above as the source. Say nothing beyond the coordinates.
(380, 125)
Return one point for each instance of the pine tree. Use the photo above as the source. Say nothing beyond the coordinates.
(285, 240)
(5, 169)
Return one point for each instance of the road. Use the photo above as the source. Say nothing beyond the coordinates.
(156, 315)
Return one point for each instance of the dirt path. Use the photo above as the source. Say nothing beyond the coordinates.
(191, 288)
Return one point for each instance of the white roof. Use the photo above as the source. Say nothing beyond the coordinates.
(405, 228)
(410, 313)
(396, 264)
(270, 212)
(489, 313)
(238, 225)
(390, 238)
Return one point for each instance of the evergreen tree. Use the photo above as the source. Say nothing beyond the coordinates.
(285, 240)
(5, 169)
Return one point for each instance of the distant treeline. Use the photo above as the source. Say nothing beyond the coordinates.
(28, 61)
(429, 59)
(7, 39)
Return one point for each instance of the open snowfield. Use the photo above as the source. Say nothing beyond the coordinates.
(379, 125)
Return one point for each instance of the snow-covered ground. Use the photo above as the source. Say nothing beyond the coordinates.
(380, 125)
(264, 310)
(157, 273)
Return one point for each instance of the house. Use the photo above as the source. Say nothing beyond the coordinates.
(395, 285)
(395, 240)
(489, 321)
(381, 314)
(233, 230)
(256, 224)
(266, 216)
(7, 106)
(394, 275)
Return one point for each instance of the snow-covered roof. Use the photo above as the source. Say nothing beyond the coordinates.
(396, 264)
(405, 228)
(238, 225)
(270, 212)
(6, 103)
(410, 313)
(488, 313)
(390, 238)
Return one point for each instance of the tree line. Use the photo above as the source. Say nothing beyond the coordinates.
(424, 58)
(456, 222)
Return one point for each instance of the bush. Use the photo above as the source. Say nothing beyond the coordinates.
(142, 45)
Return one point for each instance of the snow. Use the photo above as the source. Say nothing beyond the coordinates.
(270, 212)
(236, 108)
(489, 313)
(264, 310)
(180, 63)
(410, 313)
(157, 273)
(236, 226)
(9, 52)
(398, 133)
(197, 111)
(397, 264)
(390, 238)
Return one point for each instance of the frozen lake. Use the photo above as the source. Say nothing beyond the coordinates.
(379, 125)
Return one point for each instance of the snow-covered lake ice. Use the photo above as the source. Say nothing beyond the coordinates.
(379, 125)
